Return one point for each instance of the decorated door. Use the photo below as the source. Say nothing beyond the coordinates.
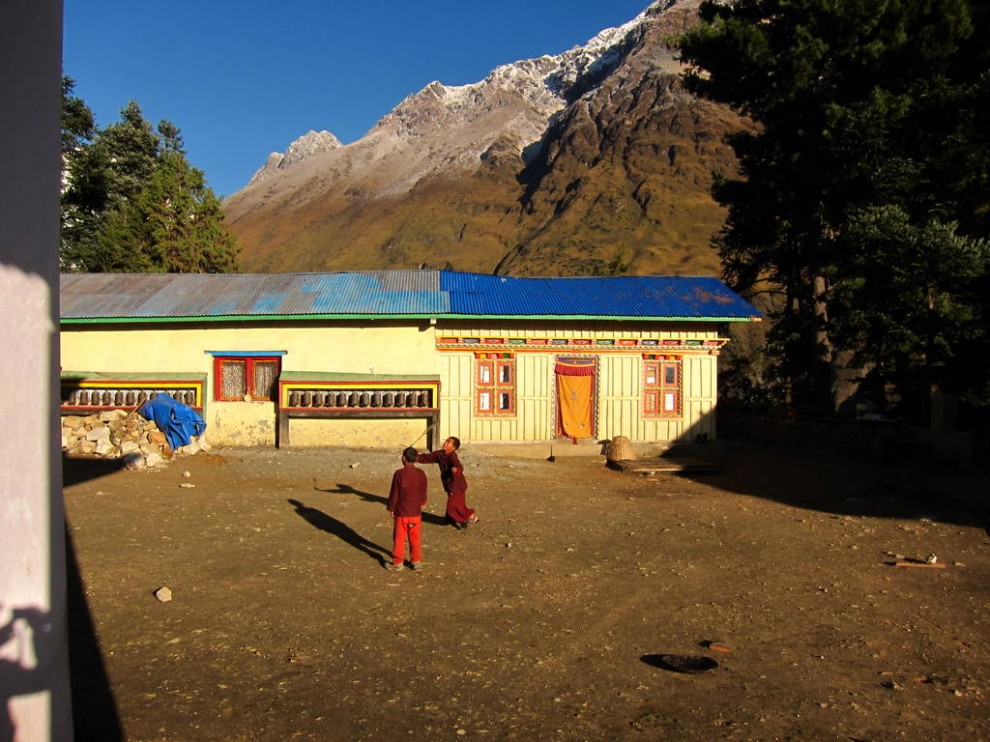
(576, 382)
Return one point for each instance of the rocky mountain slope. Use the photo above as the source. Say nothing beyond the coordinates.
(587, 162)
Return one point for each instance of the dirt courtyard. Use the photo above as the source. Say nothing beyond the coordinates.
(542, 622)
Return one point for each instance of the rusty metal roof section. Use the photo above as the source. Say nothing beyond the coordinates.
(159, 297)
(162, 297)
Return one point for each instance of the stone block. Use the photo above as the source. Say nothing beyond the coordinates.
(98, 434)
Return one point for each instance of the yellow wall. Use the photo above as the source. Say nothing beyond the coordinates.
(409, 348)
(619, 408)
(358, 348)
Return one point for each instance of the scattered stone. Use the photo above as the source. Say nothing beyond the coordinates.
(106, 448)
(123, 435)
(163, 594)
(187, 485)
(187, 474)
(133, 461)
(190, 448)
(155, 459)
(98, 434)
(355, 465)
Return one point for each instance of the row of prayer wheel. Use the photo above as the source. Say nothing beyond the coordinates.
(358, 399)
(125, 397)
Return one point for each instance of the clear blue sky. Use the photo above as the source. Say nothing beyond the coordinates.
(245, 78)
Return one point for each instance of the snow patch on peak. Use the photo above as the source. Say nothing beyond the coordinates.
(459, 123)
(309, 144)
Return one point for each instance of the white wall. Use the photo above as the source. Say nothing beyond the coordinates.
(34, 675)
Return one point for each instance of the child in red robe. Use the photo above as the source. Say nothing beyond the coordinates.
(454, 483)
(406, 499)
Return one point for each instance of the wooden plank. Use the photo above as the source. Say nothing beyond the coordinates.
(921, 565)
(647, 467)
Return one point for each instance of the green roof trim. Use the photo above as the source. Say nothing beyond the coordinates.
(330, 376)
(149, 376)
(374, 317)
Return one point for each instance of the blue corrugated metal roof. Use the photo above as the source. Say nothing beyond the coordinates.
(615, 296)
(156, 296)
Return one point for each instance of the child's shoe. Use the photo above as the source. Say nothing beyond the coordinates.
(393, 567)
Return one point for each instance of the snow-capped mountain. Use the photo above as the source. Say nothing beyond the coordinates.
(507, 173)
(309, 144)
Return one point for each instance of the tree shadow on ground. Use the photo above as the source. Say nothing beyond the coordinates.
(94, 711)
(346, 489)
(319, 519)
(855, 484)
(76, 470)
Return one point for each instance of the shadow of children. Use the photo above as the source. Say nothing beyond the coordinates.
(346, 489)
(319, 519)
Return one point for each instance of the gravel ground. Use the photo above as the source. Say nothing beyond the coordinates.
(543, 622)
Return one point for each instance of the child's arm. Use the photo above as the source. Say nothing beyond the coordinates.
(393, 494)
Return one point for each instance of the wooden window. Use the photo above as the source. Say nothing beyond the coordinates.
(495, 385)
(245, 377)
(662, 390)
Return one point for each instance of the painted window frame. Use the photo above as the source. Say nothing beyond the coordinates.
(250, 392)
(663, 386)
(495, 390)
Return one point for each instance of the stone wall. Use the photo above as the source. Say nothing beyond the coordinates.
(118, 434)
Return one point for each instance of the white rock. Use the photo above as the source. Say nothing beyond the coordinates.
(186, 474)
(155, 459)
(106, 448)
(163, 594)
(98, 434)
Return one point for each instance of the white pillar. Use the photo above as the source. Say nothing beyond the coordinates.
(34, 675)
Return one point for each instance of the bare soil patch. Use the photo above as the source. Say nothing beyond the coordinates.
(545, 620)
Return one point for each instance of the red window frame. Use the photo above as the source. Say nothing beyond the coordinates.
(249, 391)
(495, 385)
(662, 386)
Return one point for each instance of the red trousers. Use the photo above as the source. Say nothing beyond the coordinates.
(407, 527)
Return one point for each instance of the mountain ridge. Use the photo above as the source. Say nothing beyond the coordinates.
(591, 161)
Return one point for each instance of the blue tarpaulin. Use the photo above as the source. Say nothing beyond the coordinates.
(177, 421)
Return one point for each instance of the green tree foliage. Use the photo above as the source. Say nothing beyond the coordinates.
(133, 203)
(863, 207)
(78, 122)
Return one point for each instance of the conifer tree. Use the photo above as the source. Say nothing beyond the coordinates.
(871, 117)
(133, 203)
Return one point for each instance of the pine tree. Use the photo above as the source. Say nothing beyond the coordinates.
(871, 117)
(133, 203)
